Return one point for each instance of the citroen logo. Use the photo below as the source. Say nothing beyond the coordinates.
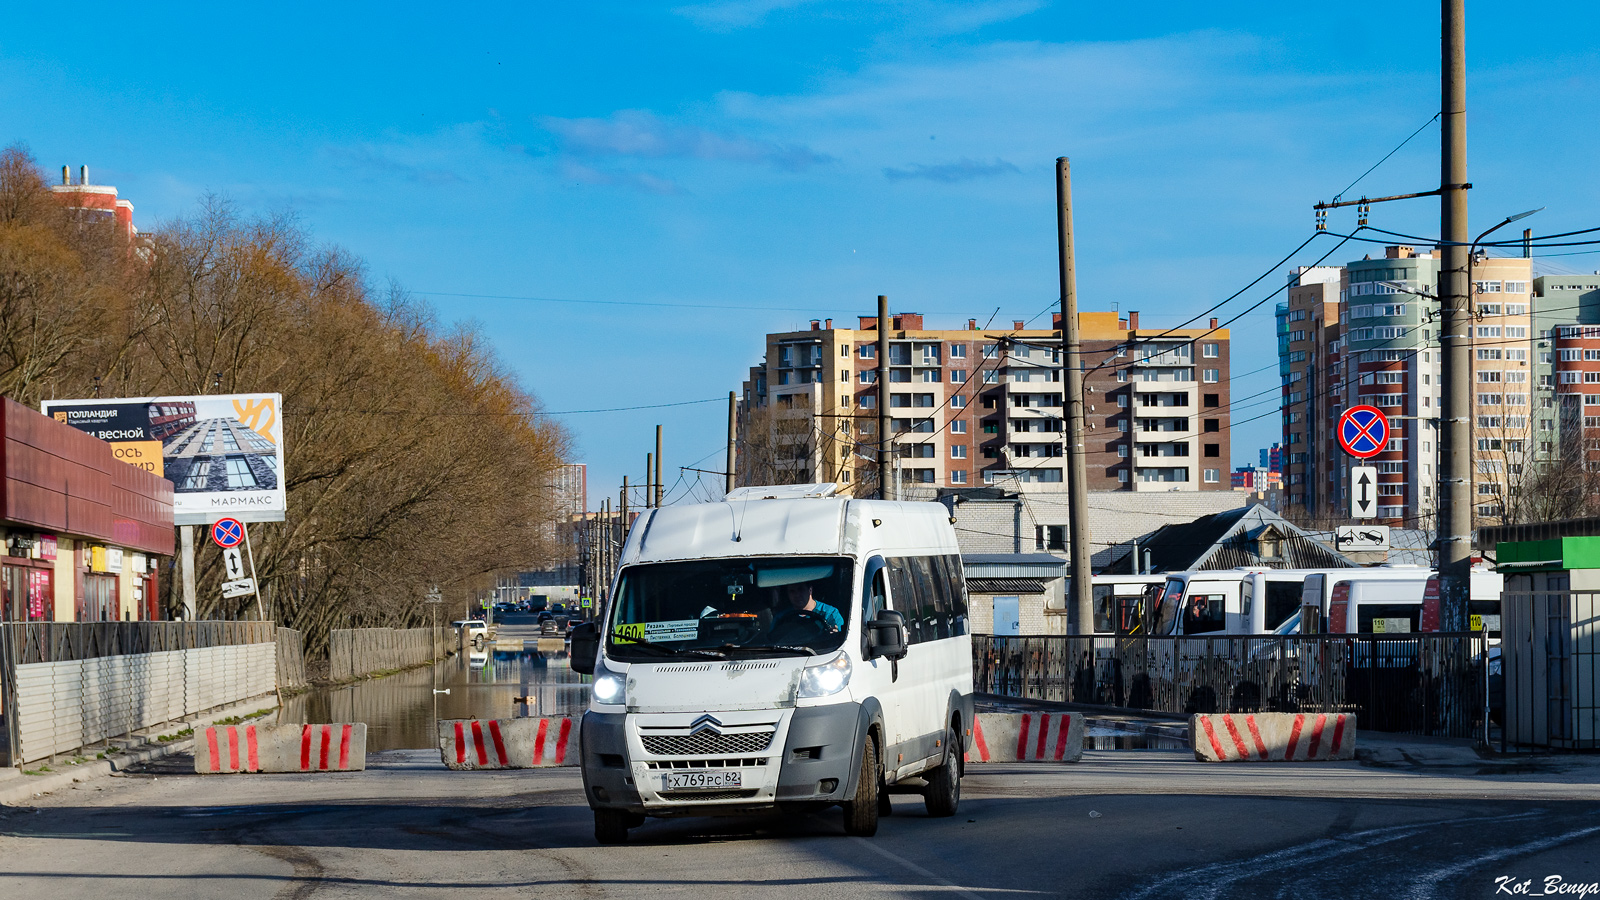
(706, 722)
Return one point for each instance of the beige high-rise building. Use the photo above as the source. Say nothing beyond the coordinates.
(971, 407)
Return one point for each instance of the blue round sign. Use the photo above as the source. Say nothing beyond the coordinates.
(227, 532)
(1363, 431)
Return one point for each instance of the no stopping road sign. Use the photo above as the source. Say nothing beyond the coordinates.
(1363, 431)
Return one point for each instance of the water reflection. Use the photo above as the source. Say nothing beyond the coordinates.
(400, 710)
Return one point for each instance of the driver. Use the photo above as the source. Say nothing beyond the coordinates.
(800, 600)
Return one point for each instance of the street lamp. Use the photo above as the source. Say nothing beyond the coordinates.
(1506, 221)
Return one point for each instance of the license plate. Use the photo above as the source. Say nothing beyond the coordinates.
(703, 781)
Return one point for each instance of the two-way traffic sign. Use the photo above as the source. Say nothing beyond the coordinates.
(1363, 492)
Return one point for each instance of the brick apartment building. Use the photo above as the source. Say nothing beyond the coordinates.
(973, 407)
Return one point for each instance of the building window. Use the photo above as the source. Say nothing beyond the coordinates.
(958, 376)
(958, 451)
(1213, 425)
(1211, 375)
(867, 401)
(958, 402)
(1213, 400)
(1213, 450)
(1211, 476)
(1209, 351)
(869, 376)
(958, 351)
(958, 427)
(1050, 537)
(990, 376)
(958, 476)
(869, 351)
(844, 400)
(195, 480)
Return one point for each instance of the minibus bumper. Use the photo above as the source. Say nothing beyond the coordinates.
(814, 758)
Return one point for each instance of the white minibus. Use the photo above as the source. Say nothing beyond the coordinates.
(783, 649)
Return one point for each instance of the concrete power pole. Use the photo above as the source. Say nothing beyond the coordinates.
(649, 473)
(1072, 407)
(886, 485)
(1455, 371)
(658, 467)
(733, 438)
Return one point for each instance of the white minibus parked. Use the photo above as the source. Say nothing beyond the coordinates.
(783, 649)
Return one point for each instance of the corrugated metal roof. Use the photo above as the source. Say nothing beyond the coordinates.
(1005, 585)
(1013, 565)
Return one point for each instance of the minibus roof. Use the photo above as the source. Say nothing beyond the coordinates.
(811, 526)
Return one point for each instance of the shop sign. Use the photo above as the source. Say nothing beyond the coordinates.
(47, 547)
(97, 559)
(114, 560)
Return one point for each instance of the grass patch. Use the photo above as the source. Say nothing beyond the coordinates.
(178, 736)
(235, 720)
(39, 771)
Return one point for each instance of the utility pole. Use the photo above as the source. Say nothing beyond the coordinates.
(658, 467)
(1455, 371)
(649, 473)
(1072, 407)
(622, 505)
(733, 438)
(886, 485)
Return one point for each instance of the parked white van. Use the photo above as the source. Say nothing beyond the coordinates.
(1331, 599)
(783, 649)
(1231, 601)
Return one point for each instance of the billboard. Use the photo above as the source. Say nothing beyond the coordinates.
(223, 453)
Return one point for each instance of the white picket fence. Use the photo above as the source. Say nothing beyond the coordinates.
(62, 706)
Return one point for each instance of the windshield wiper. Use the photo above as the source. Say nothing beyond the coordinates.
(617, 636)
(788, 648)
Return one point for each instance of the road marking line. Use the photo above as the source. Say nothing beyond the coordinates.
(956, 888)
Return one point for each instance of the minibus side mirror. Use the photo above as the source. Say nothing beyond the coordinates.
(888, 635)
(585, 648)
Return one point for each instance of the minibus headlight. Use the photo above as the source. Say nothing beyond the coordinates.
(608, 685)
(826, 679)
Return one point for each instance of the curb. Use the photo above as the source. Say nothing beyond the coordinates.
(18, 791)
(22, 788)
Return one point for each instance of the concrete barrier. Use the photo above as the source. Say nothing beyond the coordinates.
(466, 744)
(1273, 737)
(1025, 737)
(227, 749)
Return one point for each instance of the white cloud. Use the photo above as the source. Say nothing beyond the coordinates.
(961, 170)
(729, 15)
(633, 133)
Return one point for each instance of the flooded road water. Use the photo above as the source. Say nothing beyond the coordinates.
(400, 710)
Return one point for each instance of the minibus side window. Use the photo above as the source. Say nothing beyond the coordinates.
(1105, 604)
(955, 582)
(1283, 598)
(934, 606)
(903, 595)
(874, 598)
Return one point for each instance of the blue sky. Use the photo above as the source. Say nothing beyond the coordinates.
(788, 159)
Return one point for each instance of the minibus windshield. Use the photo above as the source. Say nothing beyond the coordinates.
(740, 606)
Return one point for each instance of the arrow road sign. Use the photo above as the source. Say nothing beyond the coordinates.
(238, 588)
(227, 532)
(1363, 431)
(1362, 537)
(1363, 492)
(233, 563)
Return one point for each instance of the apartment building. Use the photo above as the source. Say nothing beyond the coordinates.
(1376, 343)
(973, 406)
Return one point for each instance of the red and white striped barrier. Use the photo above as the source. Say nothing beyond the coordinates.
(227, 749)
(1025, 737)
(1273, 737)
(508, 743)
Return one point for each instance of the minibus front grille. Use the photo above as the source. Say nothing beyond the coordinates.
(753, 762)
(707, 743)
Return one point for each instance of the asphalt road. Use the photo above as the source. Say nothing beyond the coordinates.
(1119, 824)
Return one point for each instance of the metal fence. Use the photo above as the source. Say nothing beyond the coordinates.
(1429, 684)
(65, 685)
(356, 652)
(291, 660)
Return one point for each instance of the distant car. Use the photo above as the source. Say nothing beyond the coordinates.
(472, 630)
(545, 615)
(554, 625)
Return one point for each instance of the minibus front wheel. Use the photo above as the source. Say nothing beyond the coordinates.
(861, 810)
